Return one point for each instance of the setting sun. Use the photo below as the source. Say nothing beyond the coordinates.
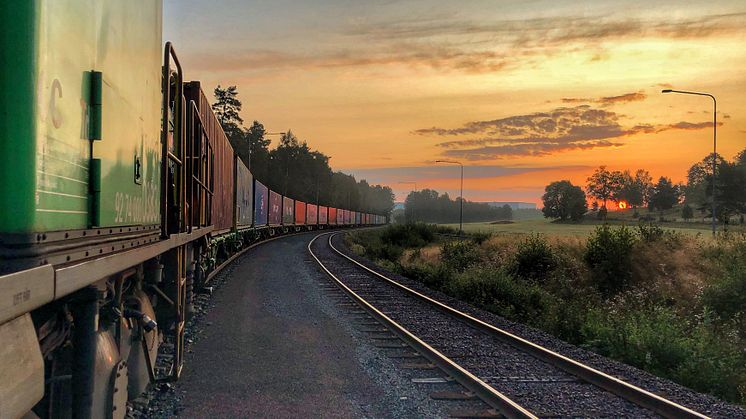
(622, 205)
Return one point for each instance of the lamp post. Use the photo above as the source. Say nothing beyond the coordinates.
(714, 145)
(415, 190)
(461, 198)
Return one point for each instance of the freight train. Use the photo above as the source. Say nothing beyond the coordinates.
(120, 196)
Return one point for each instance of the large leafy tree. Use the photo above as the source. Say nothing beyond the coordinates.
(634, 190)
(563, 200)
(603, 185)
(665, 195)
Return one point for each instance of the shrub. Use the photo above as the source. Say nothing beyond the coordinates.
(659, 341)
(652, 339)
(534, 258)
(433, 276)
(480, 237)
(409, 235)
(608, 255)
(726, 297)
(497, 291)
(459, 254)
(649, 232)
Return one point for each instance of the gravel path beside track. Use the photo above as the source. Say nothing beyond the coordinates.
(277, 340)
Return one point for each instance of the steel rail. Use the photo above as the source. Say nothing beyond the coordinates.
(630, 392)
(494, 398)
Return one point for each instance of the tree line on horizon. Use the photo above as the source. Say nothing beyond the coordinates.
(292, 168)
(564, 201)
(429, 206)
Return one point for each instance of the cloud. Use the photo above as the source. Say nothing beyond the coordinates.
(683, 125)
(526, 150)
(573, 122)
(472, 47)
(609, 100)
(438, 57)
(548, 31)
(544, 133)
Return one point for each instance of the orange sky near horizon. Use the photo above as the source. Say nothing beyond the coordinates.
(523, 93)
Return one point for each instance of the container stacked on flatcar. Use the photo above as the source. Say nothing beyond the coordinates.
(288, 208)
(275, 208)
(312, 214)
(224, 160)
(300, 213)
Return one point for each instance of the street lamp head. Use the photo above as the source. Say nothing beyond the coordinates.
(666, 90)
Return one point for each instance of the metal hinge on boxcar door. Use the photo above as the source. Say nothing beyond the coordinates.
(95, 100)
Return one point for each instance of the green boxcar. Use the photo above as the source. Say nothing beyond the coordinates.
(62, 166)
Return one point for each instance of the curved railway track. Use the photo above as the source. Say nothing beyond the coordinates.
(518, 378)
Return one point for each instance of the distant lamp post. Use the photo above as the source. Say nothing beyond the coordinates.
(415, 190)
(461, 198)
(714, 145)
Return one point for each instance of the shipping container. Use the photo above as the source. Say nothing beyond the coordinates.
(312, 214)
(300, 213)
(261, 198)
(287, 211)
(332, 216)
(340, 217)
(358, 218)
(222, 193)
(48, 127)
(323, 215)
(244, 195)
(275, 208)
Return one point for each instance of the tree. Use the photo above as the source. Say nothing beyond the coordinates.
(603, 185)
(730, 191)
(665, 195)
(227, 108)
(687, 213)
(257, 150)
(563, 200)
(428, 205)
(634, 190)
(698, 190)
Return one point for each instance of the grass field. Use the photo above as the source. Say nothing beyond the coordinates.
(545, 226)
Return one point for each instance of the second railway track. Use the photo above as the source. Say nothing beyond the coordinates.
(513, 375)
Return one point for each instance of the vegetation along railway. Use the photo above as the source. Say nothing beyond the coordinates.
(517, 377)
(120, 196)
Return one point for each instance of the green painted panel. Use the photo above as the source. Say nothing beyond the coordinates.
(130, 60)
(48, 50)
(18, 37)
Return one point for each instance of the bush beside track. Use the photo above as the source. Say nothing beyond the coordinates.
(661, 301)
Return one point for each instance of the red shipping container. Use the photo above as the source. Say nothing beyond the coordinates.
(311, 214)
(332, 216)
(300, 213)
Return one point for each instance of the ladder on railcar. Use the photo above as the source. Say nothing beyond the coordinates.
(186, 190)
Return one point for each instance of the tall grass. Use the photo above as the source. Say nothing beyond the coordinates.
(658, 300)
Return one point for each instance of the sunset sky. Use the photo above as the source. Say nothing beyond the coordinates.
(522, 92)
